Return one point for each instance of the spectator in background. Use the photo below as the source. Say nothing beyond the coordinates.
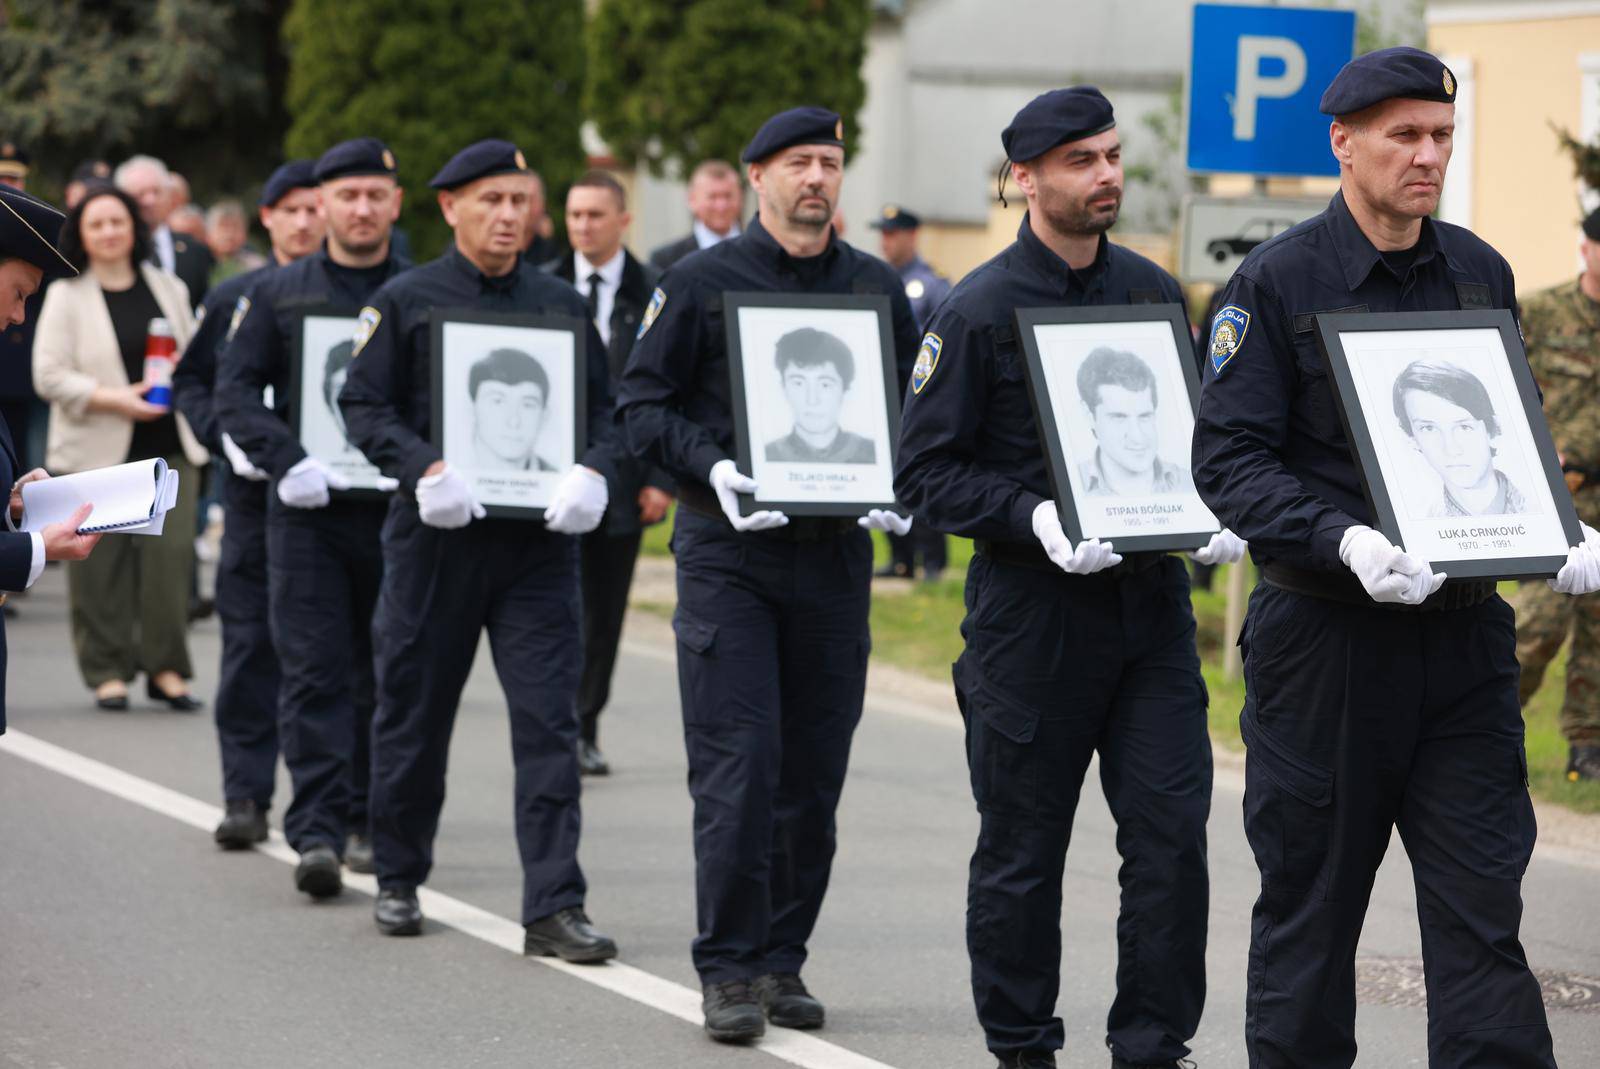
(85, 175)
(147, 180)
(716, 198)
(178, 191)
(227, 231)
(13, 166)
(189, 221)
(541, 249)
(129, 603)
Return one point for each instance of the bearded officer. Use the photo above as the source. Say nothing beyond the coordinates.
(1070, 650)
(449, 573)
(1377, 695)
(762, 602)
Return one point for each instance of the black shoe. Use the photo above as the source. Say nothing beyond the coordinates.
(787, 1002)
(1176, 1063)
(892, 571)
(117, 703)
(178, 703)
(568, 935)
(396, 912)
(243, 825)
(358, 854)
(201, 609)
(1028, 1060)
(591, 762)
(1583, 762)
(733, 1014)
(318, 872)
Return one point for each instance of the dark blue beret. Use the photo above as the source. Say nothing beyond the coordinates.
(29, 229)
(13, 161)
(480, 160)
(893, 217)
(1386, 74)
(359, 156)
(1591, 226)
(1054, 118)
(797, 126)
(296, 174)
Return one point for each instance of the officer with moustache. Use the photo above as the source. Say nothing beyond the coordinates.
(247, 686)
(762, 601)
(1071, 650)
(323, 559)
(449, 573)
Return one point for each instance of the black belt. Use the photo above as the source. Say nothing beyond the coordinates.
(1032, 555)
(702, 501)
(1345, 587)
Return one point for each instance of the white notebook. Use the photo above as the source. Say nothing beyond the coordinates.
(128, 498)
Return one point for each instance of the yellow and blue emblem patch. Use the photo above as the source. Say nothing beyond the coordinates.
(240, 309)
(1227, 335)
(366, 324)
(927, 361)
(651, 310)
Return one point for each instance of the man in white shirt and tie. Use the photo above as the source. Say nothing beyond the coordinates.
(716, 198)
(617, 288)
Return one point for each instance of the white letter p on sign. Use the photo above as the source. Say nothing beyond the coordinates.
(1250, 85)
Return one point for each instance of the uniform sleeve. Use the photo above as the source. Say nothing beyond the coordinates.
(1240, 432)
(16, 560)
(937, 475)
(907, 336)
(605, 440)
(379, 382)
(659, 376)
(250, 361)
(194, 380)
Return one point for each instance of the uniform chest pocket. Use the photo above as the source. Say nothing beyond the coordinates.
(1314, 402)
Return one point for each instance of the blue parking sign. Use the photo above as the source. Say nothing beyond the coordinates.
(1255, 78)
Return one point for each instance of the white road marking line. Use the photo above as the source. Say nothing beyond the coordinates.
(647, 989)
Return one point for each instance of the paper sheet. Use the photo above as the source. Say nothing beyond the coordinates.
(127, 498)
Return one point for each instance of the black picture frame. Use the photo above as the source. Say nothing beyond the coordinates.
(1331, 328)
(439, 319)
(736, 302)
(1188, 531)
(297, 405)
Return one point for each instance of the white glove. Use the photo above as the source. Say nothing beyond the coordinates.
(1581, 573)
(240, 463)
(729, 484)
(1225, 547)
(579, 502)
(306, 485)
(885, 520)
(1092, 555)
(1388, 573)
(445, 500)
(385, 484)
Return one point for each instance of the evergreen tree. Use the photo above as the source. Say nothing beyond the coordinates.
(672, 82)
(430, 77)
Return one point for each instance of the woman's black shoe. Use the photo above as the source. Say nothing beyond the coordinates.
(178, 703)
(117, 703)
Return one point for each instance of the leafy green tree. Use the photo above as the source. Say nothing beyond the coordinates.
(430, 77)
(672, 82)
(196, 82)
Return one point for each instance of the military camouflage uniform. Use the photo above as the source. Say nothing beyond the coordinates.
(1562, 328)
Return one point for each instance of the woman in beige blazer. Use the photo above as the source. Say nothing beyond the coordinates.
(130, 600)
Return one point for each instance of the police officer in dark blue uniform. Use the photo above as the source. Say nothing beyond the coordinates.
(449, 573)
(324, 564)
(1376, 694)
(1070, 650)
(247, 686)
(772, 615)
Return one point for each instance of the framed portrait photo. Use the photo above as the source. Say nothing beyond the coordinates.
(816, 401)
(1450, 438)
(1114, 390)
(508, 404)
(326, 346)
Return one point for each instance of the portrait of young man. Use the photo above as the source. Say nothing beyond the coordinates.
(1118, 390)
(1446, 413)
(817, 370)
(334, 373)
(510, 391)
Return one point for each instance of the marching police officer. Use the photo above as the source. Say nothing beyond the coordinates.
(772, 615)
(1070, 650)
(1376, 695)
(449, 573)
(247, 686)
(323, 559)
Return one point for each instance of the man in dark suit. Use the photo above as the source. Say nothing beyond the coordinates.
(147, 180)
(617, 288)
(26, 258)
(715, 199)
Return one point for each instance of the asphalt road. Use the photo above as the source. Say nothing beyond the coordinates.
(127, 939)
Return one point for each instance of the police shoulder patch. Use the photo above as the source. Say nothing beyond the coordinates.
(657, 300)
(241, 309)
(927, 361)
(366, 323)
(1227, 334)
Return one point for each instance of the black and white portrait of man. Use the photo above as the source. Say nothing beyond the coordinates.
(817, 370)
(334, 374)
(1446, 413)
(510, 391)
(1119, 393)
